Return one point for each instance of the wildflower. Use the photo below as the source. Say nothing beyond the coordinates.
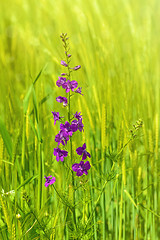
(78, 90)
(56, 116)
(62, 99)
(49, 181)
(60, 81)
(63, 74)
(78, 124)
(77, 67)
(66, 128)
(69, 55)
(64, 63)
(82, 151)
(60, 154)
(62, 138)
(77, 115)
(81, 168)
(70, 85)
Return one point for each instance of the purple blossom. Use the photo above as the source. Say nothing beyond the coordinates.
(78, 90)
(62, 138)
(70, 85)
(66, 128)
(64, 63)
(77, 115)
(81, 168)
(77, 67)
(49, 181)
(62, 99)
(60, 154)
(56, 116)
(60, 81)
(69, 55)
(63, 74)
(79, 124)
(82, 150)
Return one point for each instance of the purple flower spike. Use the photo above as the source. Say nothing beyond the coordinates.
(60, 81)
(70, 85)
(64, 63)
(78, 90)
(82, 151)
(49, 181)
(81, 168)
(56, 116)
(77, 67)
(60, 154)
(62, 99)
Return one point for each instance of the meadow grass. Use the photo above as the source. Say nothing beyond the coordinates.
(117, 44)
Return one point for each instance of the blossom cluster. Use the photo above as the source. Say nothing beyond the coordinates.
(74, 124)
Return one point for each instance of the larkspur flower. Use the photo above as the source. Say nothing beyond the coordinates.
(79, 124)
(81, 168)
(60, 154)
(66, 128)
(49, 181)
(63, 74)
(62, 99)
(70, 85)
(62, 138)
(82, 151)
(56, 116)
(64, 63)
(78, 90)
(60, 81)
(78, 115)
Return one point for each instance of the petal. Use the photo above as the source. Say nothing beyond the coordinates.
(79, 173)
(52, 180)
(85, 171)
(88, 154)
(75, 167)
(65, 153)
(84, 146)
(84, 156)
(46, 184)
(62, 158)
(87, 165)
(79, 151)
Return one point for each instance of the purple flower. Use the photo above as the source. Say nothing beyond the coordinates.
(56, 116)
(82, 150)
(62, 137)
(78, 90)
(77, 67)
(79, 124)
(69, 55)
(66, 128)
(62, 99)
(60, 154)
(81, 168)
(60, 81)
(63, 74)
(64, 63)
(70, 85)
(49, 181)
(77, 115)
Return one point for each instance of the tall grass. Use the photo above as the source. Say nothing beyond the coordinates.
(117, 44)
